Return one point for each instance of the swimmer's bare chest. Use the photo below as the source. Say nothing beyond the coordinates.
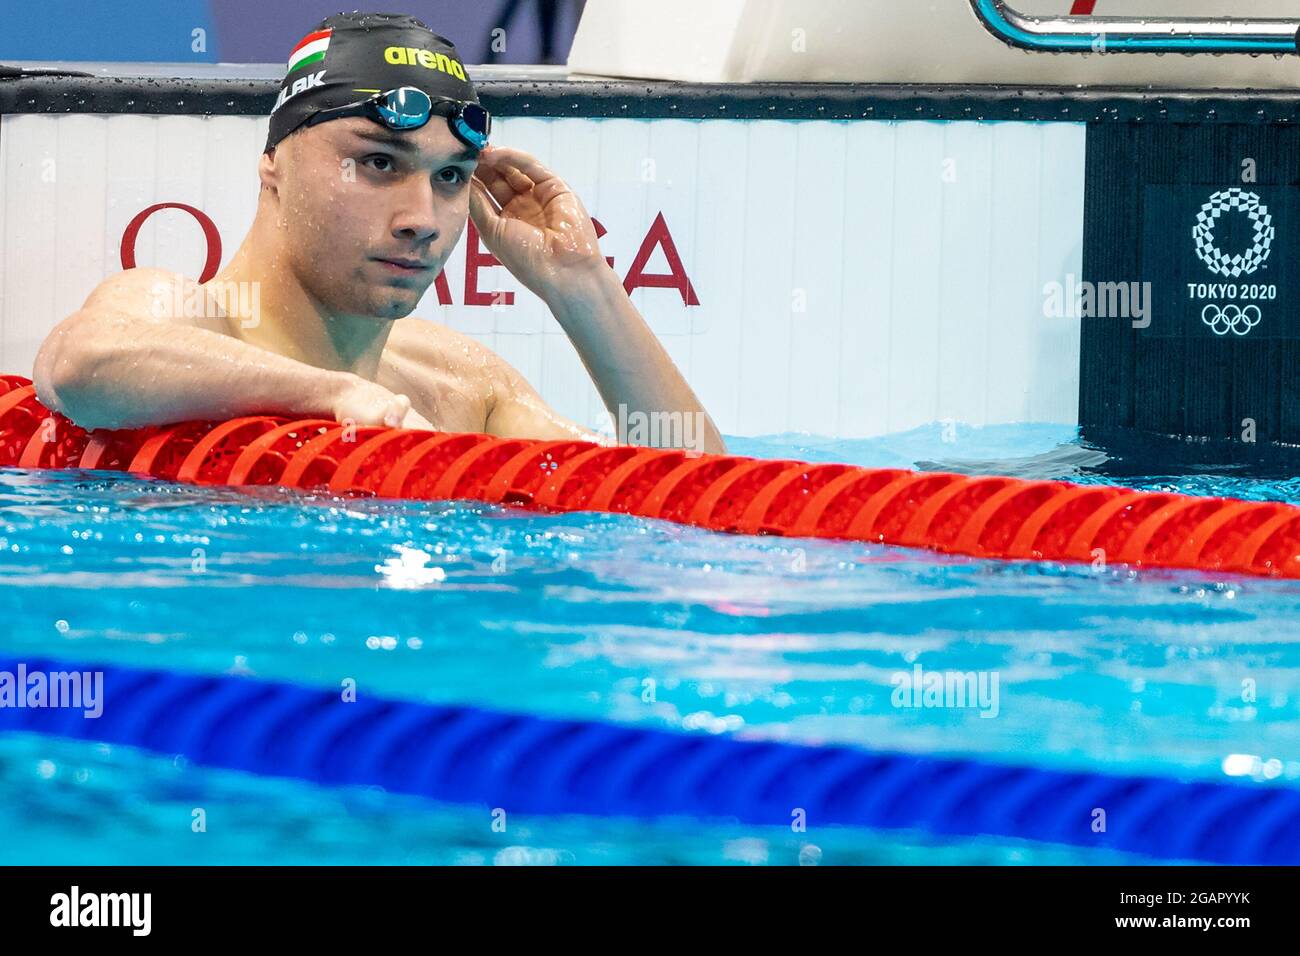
(445, 384)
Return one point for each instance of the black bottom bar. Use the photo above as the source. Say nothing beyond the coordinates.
(331, 905)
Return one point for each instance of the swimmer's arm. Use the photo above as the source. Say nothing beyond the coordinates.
(633, 372)
(517, 411)
(116, 364)
(539, 230)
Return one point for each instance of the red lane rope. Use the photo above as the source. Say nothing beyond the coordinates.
(985, 517)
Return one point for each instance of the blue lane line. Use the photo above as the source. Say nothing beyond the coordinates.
(1260, 43)
(536, 765)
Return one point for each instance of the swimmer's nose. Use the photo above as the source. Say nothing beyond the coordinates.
(419, 232)
(416, 217)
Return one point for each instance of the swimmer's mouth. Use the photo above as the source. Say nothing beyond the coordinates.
(406, 266)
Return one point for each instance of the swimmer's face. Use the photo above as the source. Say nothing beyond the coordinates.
(371, 215)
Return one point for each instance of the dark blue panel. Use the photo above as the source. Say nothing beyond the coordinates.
(139, 30)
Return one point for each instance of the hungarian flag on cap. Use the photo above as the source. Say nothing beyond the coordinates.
(310, 49)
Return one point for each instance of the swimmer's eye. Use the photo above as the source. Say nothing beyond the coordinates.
(453, 176)
(380, 162)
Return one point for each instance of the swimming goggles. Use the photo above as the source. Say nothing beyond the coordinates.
(408, 108)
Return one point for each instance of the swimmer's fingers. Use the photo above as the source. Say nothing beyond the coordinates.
(516, 180)
(503, 157)
(500, 230)
(524, 174)
(482, 210)
(505, 182)
(495, 184)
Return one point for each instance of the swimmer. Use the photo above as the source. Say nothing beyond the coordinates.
(376, 156)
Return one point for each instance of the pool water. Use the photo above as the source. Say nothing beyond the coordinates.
(618, 619)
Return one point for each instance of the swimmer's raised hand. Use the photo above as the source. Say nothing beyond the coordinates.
(533, 222)
(537, 227)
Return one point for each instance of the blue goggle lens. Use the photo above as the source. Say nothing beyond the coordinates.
(473, 124)
(407, 108)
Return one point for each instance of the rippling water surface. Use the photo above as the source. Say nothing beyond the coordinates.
(620, 619)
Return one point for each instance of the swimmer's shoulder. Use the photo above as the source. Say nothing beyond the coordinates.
(134, 291)
(149, 294)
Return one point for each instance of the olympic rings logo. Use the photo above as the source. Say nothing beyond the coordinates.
(1231, 318)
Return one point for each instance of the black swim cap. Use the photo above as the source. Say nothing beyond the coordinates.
(350, 55)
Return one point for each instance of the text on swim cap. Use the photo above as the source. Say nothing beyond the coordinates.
(410, 56)
(300, 84)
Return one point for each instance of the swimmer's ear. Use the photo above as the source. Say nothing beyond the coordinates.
(267, 171)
